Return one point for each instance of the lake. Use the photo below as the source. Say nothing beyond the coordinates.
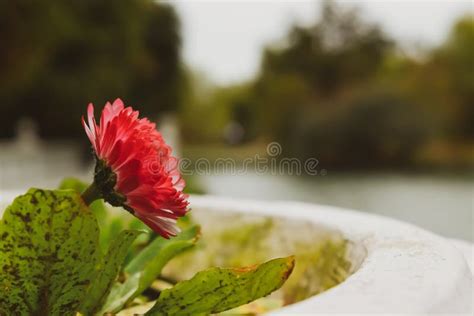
(442, 204)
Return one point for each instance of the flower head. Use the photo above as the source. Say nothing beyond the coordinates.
(135, 168)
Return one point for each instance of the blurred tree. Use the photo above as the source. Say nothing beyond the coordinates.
(57, 56)
(306, 89)
(376, 129)
(207, 109)
(342, 92)
(441, 82)
(345, 93)
(338, 51)
(455, 58)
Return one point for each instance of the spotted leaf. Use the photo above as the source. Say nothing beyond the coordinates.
(48, 251)
(219, 289)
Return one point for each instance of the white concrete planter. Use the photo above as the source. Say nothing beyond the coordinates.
(403, 268)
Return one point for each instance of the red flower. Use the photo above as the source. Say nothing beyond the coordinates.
(135, 168)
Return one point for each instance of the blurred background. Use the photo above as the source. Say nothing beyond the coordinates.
(381, 93)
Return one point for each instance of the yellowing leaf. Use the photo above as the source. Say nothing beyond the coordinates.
(219, 289)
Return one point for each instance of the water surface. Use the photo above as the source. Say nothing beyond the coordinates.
(442, 204)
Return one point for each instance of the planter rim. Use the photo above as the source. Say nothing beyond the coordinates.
(407, 269)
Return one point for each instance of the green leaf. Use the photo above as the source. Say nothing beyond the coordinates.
(48, 251)
(107, 271)
(217, 289)
(98, 207)
(146, 255)
(147, 266)
(110, 227)
(74, 184)
(110, 231)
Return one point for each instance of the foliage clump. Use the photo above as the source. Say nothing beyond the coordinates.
(52, 264)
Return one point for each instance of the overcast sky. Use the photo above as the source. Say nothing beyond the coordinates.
(224, 39)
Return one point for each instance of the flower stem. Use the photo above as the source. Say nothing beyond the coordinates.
(91, 194)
